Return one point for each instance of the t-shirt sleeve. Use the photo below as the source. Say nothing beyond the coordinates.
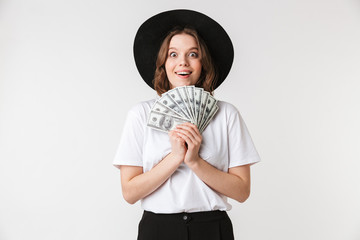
(242, 150)
(129, 151)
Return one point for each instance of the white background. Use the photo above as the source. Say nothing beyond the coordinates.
(67, 79)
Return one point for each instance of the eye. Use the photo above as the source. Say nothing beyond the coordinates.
(173, 54)
(193, 54)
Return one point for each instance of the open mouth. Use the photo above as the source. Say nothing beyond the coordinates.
(183, 73)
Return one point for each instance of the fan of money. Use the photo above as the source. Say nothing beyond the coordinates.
(183, 104)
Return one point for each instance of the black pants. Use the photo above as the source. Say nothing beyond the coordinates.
(213, 225)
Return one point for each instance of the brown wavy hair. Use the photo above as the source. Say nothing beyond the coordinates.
(208, 76)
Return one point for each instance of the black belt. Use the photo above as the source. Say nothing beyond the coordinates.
(186, 217)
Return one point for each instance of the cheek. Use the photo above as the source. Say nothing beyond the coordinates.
(198, 67)
(197, 64)
(168, 66)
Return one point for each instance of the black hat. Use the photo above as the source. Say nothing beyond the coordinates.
(152, 32)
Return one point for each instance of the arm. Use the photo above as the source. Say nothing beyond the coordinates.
(235, 183)
(137, 185)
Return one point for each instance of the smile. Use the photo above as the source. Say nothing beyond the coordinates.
(183, 74)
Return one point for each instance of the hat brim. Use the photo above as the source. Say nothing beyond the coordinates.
(151, 33)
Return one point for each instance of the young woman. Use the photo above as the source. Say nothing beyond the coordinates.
(184, 178)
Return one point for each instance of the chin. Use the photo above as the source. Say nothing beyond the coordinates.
(178, 82)
(189, 82)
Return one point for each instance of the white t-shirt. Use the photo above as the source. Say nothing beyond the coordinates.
(226, 143)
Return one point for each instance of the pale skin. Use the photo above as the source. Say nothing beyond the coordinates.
(185, 141)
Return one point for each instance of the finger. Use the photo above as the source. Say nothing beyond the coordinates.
(185, 138)
(172, 134)
(180, 141)
(186, 132)
(193, 126)
(190, 126)
(191, 143)
(175, 137)
(192, 129)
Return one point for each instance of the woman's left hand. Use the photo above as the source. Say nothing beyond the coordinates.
(190, 133)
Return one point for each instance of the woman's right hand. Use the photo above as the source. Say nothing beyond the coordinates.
(178, 147)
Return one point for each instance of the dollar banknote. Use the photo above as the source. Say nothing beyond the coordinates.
(183, 104)
(184, 95)
(211, 115)
(204, 98)
(170, 103)
(159, 107)
(164, 122)
(197, 101)
(175, 95)
(208, 108)
(191, 94)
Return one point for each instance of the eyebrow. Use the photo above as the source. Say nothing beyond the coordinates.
(188, 49)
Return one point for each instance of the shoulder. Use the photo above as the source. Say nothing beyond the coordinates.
(227, 108)
(142, 107)
(228, 112)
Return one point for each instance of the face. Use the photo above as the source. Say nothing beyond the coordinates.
(183, 65)
(167, 122)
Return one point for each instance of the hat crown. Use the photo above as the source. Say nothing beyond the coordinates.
(152, 32)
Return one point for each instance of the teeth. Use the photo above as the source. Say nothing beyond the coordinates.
(183, 73)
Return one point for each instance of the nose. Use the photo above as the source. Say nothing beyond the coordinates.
(183, 61)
